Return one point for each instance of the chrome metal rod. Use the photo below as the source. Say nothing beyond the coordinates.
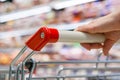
(79, 61)
(28, 57)
(6, 71)
(19, 55)
(88, 68)
(23, 64)
(10, 72)
(93, 68)
(18, 72)
(77, 76)
(14, 60)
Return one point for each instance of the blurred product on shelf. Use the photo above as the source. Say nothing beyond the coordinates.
(60, 53)
(5, 59)
(67, 15)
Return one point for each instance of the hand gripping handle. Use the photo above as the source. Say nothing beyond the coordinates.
(47, 35)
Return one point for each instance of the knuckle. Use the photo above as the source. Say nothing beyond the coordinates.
(92, 29)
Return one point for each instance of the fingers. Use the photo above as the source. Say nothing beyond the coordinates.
(106, 25)
(99, 25)
(87, 28)
(86, 45)
(107, 46)
(90, 28)
(90, 46)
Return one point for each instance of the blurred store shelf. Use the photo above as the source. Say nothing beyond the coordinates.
(48, 14)
(32, 30)
(41, 9)
(24, 13)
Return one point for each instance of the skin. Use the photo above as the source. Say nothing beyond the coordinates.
(108, 25)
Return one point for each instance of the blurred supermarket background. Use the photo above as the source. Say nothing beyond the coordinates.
(19, 19)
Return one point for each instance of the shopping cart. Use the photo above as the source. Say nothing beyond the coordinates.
(51, 35)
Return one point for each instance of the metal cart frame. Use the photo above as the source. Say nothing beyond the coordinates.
(47, 35)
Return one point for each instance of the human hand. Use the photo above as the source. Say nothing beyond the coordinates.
(109, 26)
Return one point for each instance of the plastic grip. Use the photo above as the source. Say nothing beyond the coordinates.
(45, 35)
(81, 37)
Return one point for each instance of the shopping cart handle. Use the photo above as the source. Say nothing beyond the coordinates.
(47, 35)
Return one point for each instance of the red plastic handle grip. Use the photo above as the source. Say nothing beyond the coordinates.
(42, 37)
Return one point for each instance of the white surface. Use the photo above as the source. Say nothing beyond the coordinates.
(25, 13)
(74, 36)
(69, 3)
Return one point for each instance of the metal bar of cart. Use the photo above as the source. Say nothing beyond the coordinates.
(44, 36)
(18, 72)
(89, 68)
(78, 61)
(104, 75)
(6, 71)
(106, 68)
(77, 76)
(14, 61)
(23, 65)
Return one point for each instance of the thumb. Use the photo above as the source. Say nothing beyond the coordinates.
(92, 27)
(83, 28)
